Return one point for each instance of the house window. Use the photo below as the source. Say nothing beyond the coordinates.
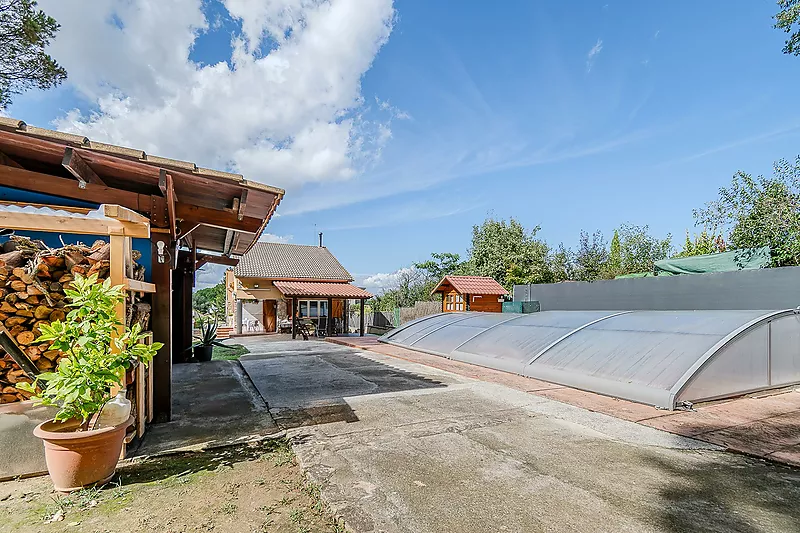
(314, 308)
(449, 302)
(459, 302)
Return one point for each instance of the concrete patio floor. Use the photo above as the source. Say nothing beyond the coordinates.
(763, 426)
(401, 446)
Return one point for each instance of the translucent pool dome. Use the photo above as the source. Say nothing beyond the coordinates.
(661, 358)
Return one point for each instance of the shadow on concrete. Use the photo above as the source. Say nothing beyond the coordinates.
(307, 383)
(213, 404)
(725, 497)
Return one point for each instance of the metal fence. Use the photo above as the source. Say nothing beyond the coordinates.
(770, 288)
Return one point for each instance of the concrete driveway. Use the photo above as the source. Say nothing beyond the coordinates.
(398, 446)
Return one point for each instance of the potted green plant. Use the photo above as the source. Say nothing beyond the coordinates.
(77, 451)
(203, 348)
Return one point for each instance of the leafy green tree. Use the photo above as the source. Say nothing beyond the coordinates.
(703, 244)
(440, 265)
(614, 263)
(507, 252)
(210, 301)
(562, 264)
(24, 34)
(591, 257)
(412, 286)
(760, 212)
(639, 250)
(788, 20)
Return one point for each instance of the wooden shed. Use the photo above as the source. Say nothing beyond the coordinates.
(470, 293)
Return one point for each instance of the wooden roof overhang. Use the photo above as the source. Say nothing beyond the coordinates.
(209, 210)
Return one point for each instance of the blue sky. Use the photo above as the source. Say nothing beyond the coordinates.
(579, 115)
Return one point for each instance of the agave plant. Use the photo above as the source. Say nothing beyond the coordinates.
(208, 334)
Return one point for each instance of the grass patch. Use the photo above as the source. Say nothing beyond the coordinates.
(229, 352)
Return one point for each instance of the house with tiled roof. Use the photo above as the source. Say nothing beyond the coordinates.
(276, 281)
(470, 293)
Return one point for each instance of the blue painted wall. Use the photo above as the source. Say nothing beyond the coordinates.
(53, 240)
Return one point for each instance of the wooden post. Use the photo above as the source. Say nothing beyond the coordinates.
(294, 318)
(330, 317)
(161, 318)
(361, 327)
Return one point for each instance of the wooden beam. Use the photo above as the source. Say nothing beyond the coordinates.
(79, 168)
(228, 244)
(101, 194)
(216, 218)
(161, 323)
(242, 204)
(215, 259)
(47, 184)
(6, 160)
(169, 194)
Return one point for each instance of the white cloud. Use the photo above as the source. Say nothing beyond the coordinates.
(209, 275)
(383, 282)
(285, 109)
(590, 57)
(271, 237)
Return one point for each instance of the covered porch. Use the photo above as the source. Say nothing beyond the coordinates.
(335, 295)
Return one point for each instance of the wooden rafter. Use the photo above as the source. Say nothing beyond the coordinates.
(226, 248)
(215, 259)
(79, 168)
(191, 214)
(242, 204)
(168, 190)
(8, 161)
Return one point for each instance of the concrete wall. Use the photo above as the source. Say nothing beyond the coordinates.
(771, 288)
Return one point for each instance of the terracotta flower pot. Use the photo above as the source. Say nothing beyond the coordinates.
(77, 459)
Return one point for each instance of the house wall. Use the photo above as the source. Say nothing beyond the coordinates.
(487, 303)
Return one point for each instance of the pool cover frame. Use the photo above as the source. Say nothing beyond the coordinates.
(736, 348)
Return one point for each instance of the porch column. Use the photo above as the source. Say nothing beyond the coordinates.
(361, 327)
(294, 318)
(330, 317)
(161, 324)
(239, 312)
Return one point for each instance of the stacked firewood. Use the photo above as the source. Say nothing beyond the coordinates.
(32, 282)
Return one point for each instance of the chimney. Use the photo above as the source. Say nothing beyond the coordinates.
(320, 239)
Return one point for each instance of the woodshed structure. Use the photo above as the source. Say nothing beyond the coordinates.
(196, 216)
(470, 293)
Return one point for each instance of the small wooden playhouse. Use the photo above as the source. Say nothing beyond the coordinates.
(470, 293)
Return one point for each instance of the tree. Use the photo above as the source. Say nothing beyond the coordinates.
(562, 264)
(639, 250)
(704, 243)
(410, 287)
(24, 34)
(508, 253)
(788, 20)
(760, 212)
(439, 266)
(210, 301)
(614, 263)
(591, 257)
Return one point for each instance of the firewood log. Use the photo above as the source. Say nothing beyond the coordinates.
(15, 321)
(25, 338)
(52, 355)
(42, 312)
(57, 314)
(18, 286)
(102, 254)
(12, 259)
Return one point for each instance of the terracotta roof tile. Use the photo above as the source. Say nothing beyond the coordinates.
(320, 289)
(473, 285)
(290, 261)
